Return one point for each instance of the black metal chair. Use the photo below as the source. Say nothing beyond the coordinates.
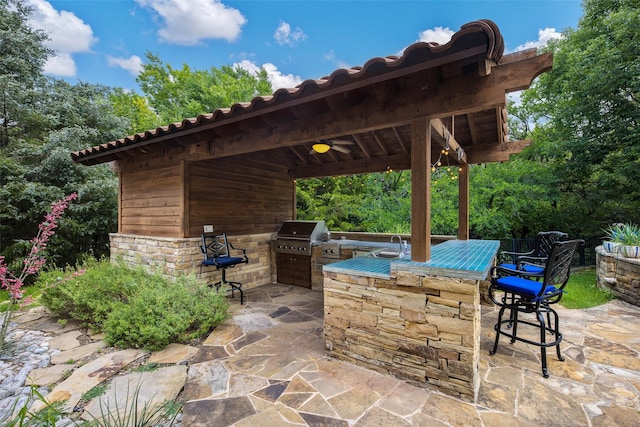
(514, 290)
(217, 252)
(532, 262)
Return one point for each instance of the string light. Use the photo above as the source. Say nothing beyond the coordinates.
(436, 167)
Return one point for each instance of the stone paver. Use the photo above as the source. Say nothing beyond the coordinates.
(88, 376)
(149, 389)
(72, 355)
(173, 354)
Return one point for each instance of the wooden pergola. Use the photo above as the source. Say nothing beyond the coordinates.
(398, 113)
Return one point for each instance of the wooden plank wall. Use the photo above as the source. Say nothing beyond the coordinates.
(163, 195)
(238, 196)
(150, 202)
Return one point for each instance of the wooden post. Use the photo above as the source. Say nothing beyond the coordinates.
(184, 198)
(421, 190)
(463, 202)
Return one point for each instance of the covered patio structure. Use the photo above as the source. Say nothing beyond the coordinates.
(236, 168)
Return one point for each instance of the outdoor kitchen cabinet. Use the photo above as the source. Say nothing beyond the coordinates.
(294, 269)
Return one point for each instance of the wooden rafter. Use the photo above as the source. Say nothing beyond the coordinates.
(400, 139)
(448, 141)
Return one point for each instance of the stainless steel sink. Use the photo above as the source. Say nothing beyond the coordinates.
(389, 253)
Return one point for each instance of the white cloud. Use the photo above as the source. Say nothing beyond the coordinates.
(187, 22)
(544, 36)
(283, 34)
(62, 65)
(331, 57)
(68, 35)
(132, 64)
(275, 77)
(438, 35)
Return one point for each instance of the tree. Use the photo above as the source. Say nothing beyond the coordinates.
(22, 55)
(591, 100)
(176, 94)
(136, 108)
(43, 120)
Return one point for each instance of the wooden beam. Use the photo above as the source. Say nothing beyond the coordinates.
(421, 190)
(401, 141)
(302, 158)
(499, 152)
(350, 167)
(380, 143)
(362, 146)
(463, 202)
(448, 141)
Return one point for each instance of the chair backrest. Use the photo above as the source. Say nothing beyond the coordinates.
(558, 265)
(214, 245)
(545, 241)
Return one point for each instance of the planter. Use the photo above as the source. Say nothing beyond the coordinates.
(611, 247)
(629, 251)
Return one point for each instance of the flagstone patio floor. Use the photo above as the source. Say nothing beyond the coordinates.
(266, 366)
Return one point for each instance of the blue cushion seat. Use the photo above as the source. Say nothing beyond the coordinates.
(224, 261)
(533, 269)
(525, 287)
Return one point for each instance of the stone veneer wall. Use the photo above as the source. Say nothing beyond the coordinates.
(174, 257)
(618, 274)
(425, 330)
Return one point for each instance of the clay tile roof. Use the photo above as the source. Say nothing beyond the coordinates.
(414, 55)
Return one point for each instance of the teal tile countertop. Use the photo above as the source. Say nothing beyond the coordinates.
(464, 259)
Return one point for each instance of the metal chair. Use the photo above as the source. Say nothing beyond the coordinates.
(533, 262)
(512, 289)
(216, 249)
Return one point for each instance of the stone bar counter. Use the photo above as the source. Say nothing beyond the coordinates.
(417, 321)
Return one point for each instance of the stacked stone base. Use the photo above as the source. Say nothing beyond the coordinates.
(424, 330)
(618, 274)
(173, 257)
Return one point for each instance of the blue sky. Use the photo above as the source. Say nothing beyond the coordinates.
(105, 41)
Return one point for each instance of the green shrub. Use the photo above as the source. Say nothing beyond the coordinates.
(135, 309)
(89, 293)
(158, 315)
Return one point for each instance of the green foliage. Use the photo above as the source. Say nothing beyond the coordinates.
(135, 309)
(89, 294)
(96, 391)
(22, 55)
(160, 315)
(625, 234)
(179, 93)
(583, 292)
(591, 100)
(373, 202)
(47, 416)
(133, 415)
(137, 109)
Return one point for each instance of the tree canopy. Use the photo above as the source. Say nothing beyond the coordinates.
(175, 94)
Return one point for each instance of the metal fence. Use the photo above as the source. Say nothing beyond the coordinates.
(585, 255)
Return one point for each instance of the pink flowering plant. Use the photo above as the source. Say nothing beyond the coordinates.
(34, 261)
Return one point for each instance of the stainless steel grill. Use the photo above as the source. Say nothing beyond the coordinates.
(298, 237)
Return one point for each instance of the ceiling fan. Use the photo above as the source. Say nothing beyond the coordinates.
(324, 145)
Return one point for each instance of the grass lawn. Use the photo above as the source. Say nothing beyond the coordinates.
(582, 292)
